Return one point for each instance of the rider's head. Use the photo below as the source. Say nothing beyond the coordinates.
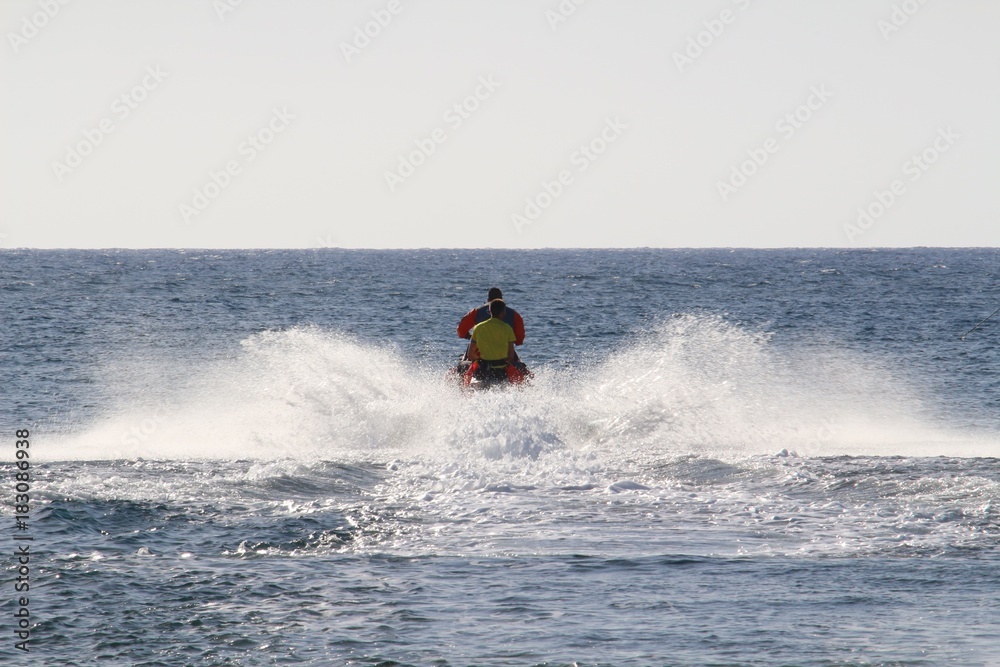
(497, 308)
(494, 294)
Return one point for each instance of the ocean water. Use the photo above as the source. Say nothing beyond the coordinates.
(726, 457)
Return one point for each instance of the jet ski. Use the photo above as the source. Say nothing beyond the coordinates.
(478, 375)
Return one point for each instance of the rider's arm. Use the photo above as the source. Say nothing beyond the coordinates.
(466, 324)
(511, 354)
(518, 329)
(473, 351)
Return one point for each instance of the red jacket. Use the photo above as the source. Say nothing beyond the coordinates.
(481, 314)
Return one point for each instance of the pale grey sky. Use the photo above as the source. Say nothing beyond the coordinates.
(507, 123)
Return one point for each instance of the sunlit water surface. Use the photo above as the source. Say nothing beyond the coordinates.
(725, 458)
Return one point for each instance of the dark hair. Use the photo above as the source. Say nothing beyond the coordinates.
(497, 308)
(494, 294)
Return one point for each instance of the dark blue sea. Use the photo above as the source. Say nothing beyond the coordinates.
(726, 457)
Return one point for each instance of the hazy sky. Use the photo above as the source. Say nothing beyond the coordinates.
(506, 123)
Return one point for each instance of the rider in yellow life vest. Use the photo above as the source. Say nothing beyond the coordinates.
(493, 344)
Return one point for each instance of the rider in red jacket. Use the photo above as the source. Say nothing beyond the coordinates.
(482, 313)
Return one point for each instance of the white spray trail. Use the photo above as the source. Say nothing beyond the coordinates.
(693, 385)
